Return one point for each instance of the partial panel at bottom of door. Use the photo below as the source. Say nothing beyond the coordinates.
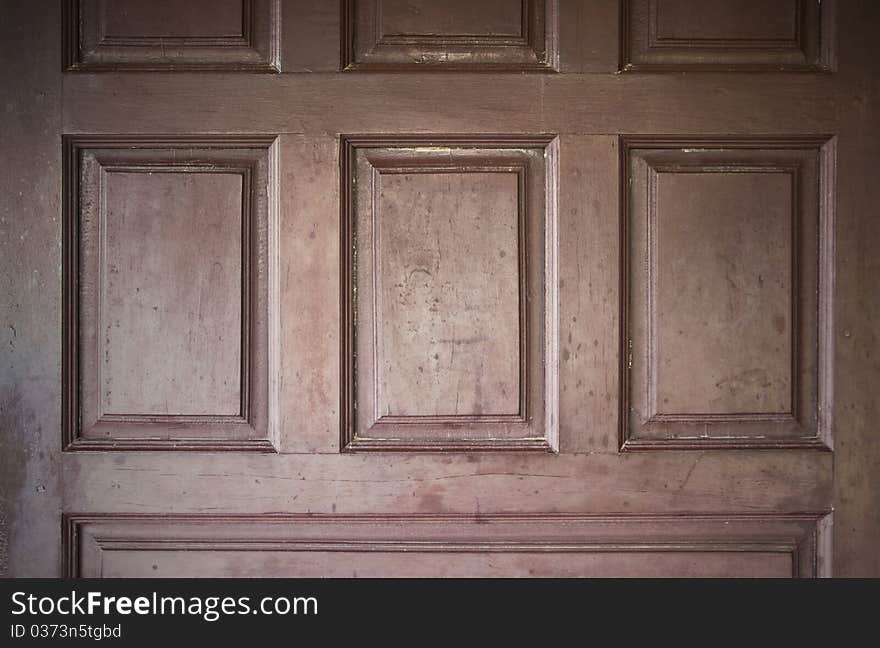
(443, 546)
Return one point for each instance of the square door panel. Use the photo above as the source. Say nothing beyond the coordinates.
(449, 296)
(727, 34)
(225, 35)
(167, 287)
(727, 289)
(425, 35)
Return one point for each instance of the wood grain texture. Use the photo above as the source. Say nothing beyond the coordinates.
(361, 483)
(447, 245)
(404, 103)
(311, 278)
(309, 294)
(731, 35)
(146, 220)
(233, 35)
(404, 497)
(448, 546)
(417, 293)
(30, 305)
(708, 331)
(129, 205)
(745, 218)
(857, 307)
(589, 245)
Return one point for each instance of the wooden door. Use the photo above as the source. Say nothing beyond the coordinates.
(387, 288)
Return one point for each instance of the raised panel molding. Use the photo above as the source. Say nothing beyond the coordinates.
(511, 329)
(531, 46)
(767, 381)
(725, 35)
(731, 545)
(252, 46)
(240, 415)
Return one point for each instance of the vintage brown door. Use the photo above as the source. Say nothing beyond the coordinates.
(420, 288)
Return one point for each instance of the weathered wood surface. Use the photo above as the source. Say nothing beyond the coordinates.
(305, 109)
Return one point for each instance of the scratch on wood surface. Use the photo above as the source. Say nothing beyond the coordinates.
(690, 472)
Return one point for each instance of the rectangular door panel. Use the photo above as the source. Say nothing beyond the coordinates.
(728, 291)
(102, 35)
(450, 546)
(168, 293)
(666, 35)
(450, 339)
(428, 36)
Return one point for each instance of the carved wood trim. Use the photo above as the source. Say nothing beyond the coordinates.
(88, 47)
(802, 536)
(255, 427)
(825, 148)
(812, 48)
(349, 439)
(534, 49)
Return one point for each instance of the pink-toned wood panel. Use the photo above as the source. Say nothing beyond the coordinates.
(448, 290)
(169, 302)
(726, 293)
(420, 483)
(414, 562)
(722, 259)
(451, 293)
(172, 323)
(444, 546)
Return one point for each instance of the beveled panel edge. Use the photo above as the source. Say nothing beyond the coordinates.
(807, 540)
(827, 54)
(825, 146)
(349, 442)
(72, 59)
(549, 64)
(71, 441)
